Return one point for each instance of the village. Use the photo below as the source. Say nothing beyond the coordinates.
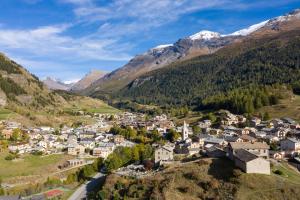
(250, 147)
(252, 144)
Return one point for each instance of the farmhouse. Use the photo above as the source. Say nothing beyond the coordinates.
(251, 163)
(164, 154)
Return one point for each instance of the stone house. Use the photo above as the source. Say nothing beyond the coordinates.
(290, 146)
(251, 163)
(104, 149)
(75, 150)
(164, 154)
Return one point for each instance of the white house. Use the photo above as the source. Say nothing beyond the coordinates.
(164, 154)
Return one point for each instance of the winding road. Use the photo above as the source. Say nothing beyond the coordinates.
(82, 191)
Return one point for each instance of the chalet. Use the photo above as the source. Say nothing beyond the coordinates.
(103, 149)
(258, 148)
(290, 146)
(75, 150)
(251, 163)
(164, 154)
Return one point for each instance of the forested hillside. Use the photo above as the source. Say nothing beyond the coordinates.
(255, 61)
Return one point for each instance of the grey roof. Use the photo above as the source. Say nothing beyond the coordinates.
(214, 140)
(244, 155)
(231, 138)
(247, 137)
(293, 140)
(249, 145)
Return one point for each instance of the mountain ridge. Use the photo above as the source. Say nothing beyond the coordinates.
(201, 43)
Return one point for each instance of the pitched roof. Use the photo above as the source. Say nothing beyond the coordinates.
(244, 155)
(293, 140)
(247, 137)
(249, 145)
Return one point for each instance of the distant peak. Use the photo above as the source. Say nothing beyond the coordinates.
(205, 35)
(162, 46)
(249, 30)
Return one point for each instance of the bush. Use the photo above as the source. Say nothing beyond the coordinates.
(10, 157)
(278, 172)
(237, 172)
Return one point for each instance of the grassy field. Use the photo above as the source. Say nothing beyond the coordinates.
(30, 166)
(289, 174)
(286, 108)
(285, 186)
(6, 114)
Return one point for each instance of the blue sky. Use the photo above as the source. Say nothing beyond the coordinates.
(65, 39)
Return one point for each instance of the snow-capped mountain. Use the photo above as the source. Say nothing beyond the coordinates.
(205, 35)
(248, 30)
(201, 43)
(54, 84)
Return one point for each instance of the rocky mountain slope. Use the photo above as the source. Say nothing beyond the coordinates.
(266, 54)
(87, 80)
(202, 43)
(53, 84)
(30, 101)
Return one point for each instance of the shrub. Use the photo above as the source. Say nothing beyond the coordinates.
(10, 157)
(278, 172)
(237, 172)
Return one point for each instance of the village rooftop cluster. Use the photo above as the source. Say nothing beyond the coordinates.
(250, 143)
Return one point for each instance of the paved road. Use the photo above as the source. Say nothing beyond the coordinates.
(81, 192)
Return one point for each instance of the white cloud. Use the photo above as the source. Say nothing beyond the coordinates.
(50, 41)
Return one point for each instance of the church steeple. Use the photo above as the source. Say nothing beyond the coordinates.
(185, 131)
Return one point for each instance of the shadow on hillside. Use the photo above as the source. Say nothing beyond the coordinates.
(221, 169)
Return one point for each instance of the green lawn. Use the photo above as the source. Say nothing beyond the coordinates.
(288, 173)
(103, 109)
(5, 114)
(30, 165)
